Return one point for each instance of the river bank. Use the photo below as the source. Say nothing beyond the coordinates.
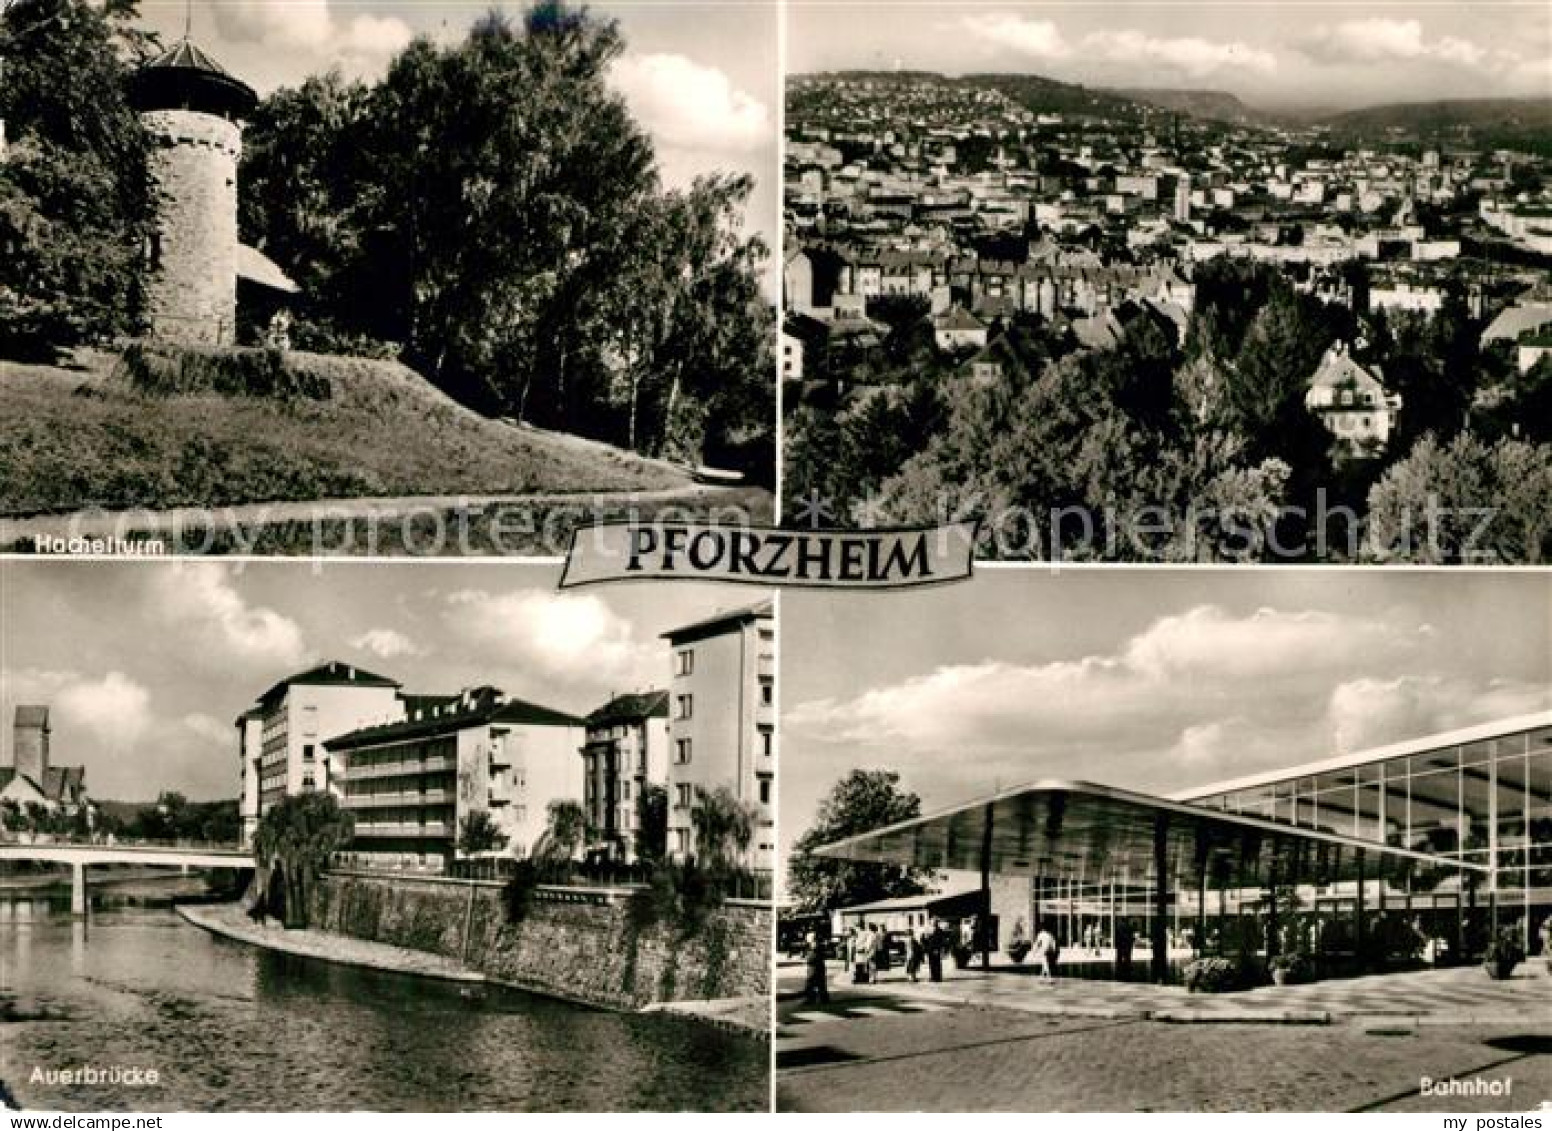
(748, 1015)
(249, 1028)
(230, 920)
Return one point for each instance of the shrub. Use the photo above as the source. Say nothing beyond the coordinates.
(1213, 976)
(1503, 954)
(174, 371)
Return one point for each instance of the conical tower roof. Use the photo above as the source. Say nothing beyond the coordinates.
(185, 77)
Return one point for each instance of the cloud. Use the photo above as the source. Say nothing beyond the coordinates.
(1379, 39)
(1189, 55)
(1043, 40)
(688, 105)
(209, 729)
(1188, 698)
(1375, 711)
(1035, 39)
(217, 624)
(553, 638)
(387, 644)
(362, 43)
(110, 712)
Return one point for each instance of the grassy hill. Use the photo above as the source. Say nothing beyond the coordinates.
(216, 432)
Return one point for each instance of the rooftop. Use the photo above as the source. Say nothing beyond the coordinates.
(631, 708)
(720, 622)
(481, 707)
(331, 674)
(184, 77)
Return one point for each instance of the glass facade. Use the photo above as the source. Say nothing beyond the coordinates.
(1484, 799)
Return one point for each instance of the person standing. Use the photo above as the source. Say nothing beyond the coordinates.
(1123, 950)
(1046, 953)
(816, 990)
(936, 940)
(862, 963)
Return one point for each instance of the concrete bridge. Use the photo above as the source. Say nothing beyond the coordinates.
(79, 856)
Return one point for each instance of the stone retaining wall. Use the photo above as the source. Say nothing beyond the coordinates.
(577, 943)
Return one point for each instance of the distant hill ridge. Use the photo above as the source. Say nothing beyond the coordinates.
(1517, 118)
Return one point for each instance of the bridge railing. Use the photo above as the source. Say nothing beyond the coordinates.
(111, 841)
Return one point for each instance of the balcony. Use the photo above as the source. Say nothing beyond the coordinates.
(404, 828)
(401, 769)
(387, 800)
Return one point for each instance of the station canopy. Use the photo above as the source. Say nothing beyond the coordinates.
(1074, 830)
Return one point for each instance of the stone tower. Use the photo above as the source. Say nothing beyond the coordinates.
(193, 110)
(30, 744)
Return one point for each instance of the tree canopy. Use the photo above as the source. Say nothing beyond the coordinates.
(295, 841)
(74, 205)
(861, 801)
(491, 210)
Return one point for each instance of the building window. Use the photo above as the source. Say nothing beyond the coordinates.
(308, 785)
(767, 741)
(682, 751)
(765, 789)
(767, 691)
(310, 721)
(682, 796)
(684, 661)
(307, 752)
(684, 706)
(682, 841)
(625, 791)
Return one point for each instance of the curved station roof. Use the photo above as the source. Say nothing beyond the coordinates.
(1059, 829)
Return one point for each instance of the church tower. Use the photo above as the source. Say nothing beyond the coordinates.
(193, 111)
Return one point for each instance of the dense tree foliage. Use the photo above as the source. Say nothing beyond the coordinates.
(73, 189)
(491, 210)
(296, 839)
(1465, 502)
(1202, 451)
(861, 801)
(478, 833)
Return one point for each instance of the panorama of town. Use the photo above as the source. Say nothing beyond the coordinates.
(1003, 291)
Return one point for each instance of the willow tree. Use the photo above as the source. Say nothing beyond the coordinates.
(293, 845)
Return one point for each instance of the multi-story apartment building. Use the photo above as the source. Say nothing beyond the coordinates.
(281, 739)
(627, 749)
(409, 784)
(721, 727)
(250, 769)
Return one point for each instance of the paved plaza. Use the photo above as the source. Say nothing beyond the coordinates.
(1007, 1041)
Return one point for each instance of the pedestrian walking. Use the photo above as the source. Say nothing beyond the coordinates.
(914, 951)
(1047, 951)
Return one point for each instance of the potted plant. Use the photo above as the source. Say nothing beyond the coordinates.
(1289, 966)
(1502, 955)
(1019, 945)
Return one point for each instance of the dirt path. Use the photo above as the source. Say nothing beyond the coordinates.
(536, 520)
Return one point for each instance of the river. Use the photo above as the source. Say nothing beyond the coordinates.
(227, 1027)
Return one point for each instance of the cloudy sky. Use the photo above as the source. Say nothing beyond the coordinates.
(146, 665)
(1272, 53)
(1149, 680)
(700, 77)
